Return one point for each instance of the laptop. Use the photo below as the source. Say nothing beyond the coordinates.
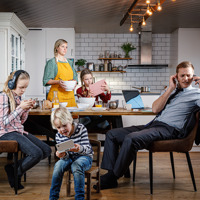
(133, 97)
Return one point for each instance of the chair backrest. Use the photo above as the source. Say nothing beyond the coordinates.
(96, 146)
(176, 145)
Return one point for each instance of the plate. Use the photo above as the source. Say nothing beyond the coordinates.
(98, 108)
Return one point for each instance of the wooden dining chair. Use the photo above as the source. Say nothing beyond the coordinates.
(176, 145)
(11, 146)
(92, 175)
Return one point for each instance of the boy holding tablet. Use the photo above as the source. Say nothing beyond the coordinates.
(78, 158)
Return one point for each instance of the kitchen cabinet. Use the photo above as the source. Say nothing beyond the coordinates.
(35, 63)
(39, 49)
(12, 39)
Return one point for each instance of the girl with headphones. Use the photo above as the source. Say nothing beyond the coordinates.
(13, 113)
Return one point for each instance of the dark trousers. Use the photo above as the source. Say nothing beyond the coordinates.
(121, 144)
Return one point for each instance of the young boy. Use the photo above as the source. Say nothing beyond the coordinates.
(78, 158)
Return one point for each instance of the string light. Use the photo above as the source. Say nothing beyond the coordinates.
(131, 28)
(159, 7)
(143, 22)
(147, 1)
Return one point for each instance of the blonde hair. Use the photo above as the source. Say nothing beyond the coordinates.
(57, 44)
(63, 115)
(24, 75)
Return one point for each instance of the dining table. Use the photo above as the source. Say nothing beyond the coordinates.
(115, 115)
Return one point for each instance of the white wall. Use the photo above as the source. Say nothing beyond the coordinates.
(189, 46)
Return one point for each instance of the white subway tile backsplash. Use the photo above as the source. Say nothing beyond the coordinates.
(90, 46)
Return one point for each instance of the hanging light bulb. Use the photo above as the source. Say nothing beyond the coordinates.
(148, 10)
(159, 7)
(147, 1)
(143, 22)
(131, 28)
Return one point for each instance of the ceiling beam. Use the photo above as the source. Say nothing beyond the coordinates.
(134, 8)
(129, 11)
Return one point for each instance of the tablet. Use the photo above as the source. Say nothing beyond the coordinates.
(64, 146)
(96, 87)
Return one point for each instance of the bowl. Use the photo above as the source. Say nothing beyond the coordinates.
(83, 105)
(87, 100)
(63, 104)
(70, 85)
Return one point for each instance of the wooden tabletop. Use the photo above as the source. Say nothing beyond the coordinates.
(107, 112)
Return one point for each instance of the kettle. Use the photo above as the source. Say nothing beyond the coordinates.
(113, 104)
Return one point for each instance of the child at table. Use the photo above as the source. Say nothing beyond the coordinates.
(13, 114)
(78, 158)
(86, 77)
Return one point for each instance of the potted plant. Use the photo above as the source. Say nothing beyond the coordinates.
(80, 63)
(127, 47)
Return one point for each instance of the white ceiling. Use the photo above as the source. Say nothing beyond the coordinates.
(101, 16)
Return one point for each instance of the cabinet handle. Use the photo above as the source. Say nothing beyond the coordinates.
(71, 52)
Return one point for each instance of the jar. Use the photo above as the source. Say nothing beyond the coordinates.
(96, 68)
(101, 67)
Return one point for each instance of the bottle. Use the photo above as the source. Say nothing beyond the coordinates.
(109, 66)
(106, 67)
(55, 100)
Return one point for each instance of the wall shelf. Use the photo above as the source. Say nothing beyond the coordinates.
(115, 59)
(107, 71)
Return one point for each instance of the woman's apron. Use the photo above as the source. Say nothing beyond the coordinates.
(65, 73)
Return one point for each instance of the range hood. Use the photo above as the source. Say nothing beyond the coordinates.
(145, 44)
(145, 51)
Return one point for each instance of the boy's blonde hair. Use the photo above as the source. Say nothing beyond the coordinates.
(63, 115)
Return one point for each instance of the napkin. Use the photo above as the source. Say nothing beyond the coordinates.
(96, 87)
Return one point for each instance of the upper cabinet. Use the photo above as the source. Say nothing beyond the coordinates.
(12, 40)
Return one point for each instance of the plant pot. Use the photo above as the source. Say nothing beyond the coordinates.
(127, 55)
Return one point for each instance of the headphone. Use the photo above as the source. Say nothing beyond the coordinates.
(12, 82)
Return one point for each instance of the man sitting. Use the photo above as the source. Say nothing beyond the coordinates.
(174, 107)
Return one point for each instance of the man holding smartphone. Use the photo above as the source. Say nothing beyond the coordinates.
(174, 108)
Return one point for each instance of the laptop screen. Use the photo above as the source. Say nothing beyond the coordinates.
(133, 97)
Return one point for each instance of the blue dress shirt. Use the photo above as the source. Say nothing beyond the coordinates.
(180, 107)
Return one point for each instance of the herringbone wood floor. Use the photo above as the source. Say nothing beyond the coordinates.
(39, 180)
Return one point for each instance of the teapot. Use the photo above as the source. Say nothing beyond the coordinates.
(113, 104)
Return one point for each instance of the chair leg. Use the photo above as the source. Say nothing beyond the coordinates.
(15, 171)
(98, 184)
(89, 179)
(191, 170)
(68, 183)
(172, 164)
(151, 171)
(134, 166)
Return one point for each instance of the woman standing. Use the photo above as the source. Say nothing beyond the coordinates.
(57, 70)
(13, 114)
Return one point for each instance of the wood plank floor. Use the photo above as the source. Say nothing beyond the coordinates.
(39, 180)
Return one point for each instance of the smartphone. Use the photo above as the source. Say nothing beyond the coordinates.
(65, 146)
